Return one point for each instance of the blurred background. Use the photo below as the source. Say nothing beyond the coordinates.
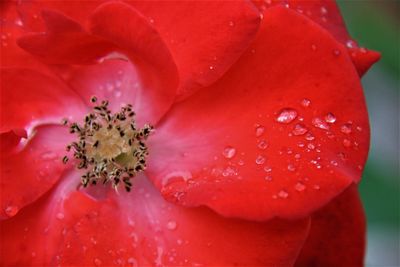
(375, 25)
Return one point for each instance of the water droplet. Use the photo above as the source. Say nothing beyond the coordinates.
(299, 129)
(211, 67)
(297, 156)
(324, 11)
(310, 137)
(286, 115)
(313, 47)
(229, 152)
(330, 118)
(291, 167)
(260, 130)
(336, 52)
(334, 163)
(346, 143)
(260, 160)
(299, 187)
(268, 178)
(49, 155)
(267, 169)
(346, 128)
(283, 194)
(262, 144)
(358, 128)
(229, 171)
(97, 262)
(171, 225)
(117, 94)
(319, 123)
(60, 216)
(231, 23)
(241, 162)
(306, 102)
(351, 44)
(132, 262)
(316, 187)
(11, 210)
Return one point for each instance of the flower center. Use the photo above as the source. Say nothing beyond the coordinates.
(109, 146)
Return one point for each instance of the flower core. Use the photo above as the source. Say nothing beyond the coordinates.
(110, 147)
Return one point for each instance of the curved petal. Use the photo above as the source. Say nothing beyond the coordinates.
(327, 14)
(30, 98)
(281, 134)
(141, 229)
(12, 27)
(66, 43)
(31, 168)
(337, 235)
(203, 48)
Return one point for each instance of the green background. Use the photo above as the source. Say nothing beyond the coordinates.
(375, 25)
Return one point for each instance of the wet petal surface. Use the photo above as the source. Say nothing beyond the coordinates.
(280, 135)
(67, 227)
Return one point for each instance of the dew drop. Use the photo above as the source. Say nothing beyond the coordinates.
(319, 123)
(241, 162)
(310, 137)
(260, 160)
(313, 47)
(229, 152)
(330, 118)
(260, 130)
(60, 216)
(299, 129)
(262, 144)
(268, 178)
(334, 163)
(283, 194)
(49, 155)
(97, 262)
(316, 187)
(306, 102)
(231, 23)
(346, 143)
(299, 187)
(336, 52)
(346, 128)
(267, 169)
(291, 167)
(350, 44)
(132, 262)
(171, 225)
(11, 210)
(286, 115)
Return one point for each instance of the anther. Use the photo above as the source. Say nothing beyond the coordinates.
(123, 152)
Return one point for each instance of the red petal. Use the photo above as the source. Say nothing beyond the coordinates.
(12, 27)
(66, 43)
(31, 168)
(204, 37)
(9, 140)
(140, 228)
(29, 98)
(327, 14)
(337, 236)
(224, 148)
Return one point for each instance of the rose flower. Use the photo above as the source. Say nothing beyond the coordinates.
(181, 134)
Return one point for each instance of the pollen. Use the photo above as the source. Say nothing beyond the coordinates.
(109, 147)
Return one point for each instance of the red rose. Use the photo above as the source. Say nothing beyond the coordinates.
(261, 134)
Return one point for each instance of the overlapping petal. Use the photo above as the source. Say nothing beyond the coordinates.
(281, 134)
(140, 228)
(30, 98)
(135, 42)
(204, 37)
(337, 235)
(327, 14)
(30, 167)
